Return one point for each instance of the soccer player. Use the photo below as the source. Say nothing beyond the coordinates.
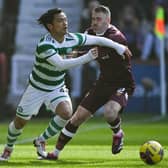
(111, 89)
(46, 81)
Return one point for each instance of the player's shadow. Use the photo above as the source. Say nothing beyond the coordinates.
(42, 163)
(98, 163)
(66, 162)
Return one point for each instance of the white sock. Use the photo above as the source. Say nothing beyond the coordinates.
(56, 152)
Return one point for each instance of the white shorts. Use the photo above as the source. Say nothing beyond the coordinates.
(33, 99)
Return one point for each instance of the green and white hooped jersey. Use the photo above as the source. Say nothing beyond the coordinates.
(46, 76)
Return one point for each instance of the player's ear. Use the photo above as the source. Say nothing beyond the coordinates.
(49, 26)
(108, 19)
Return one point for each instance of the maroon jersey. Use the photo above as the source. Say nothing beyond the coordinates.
(113, 69)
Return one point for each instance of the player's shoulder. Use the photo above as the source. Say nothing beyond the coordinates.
(70, 36)
(46, 42)
(80, 38)
(90, 31)
(74, 35)
(115, 34)
(113, 31)
(47, 39)
(46, 46)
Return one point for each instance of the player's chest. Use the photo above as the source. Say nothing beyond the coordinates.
(66, 47)
(104, 54)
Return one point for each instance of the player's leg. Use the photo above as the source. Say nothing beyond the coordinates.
(14, 130)
(56, 124)
(113, 109)
(90, 103)
(26, 108)
(67, 133)
(61, 105)
(63, 113)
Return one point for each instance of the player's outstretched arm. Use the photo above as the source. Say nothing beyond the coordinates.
(63, 64)
(102, 41)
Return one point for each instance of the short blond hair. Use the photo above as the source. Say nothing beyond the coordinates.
(103, 9)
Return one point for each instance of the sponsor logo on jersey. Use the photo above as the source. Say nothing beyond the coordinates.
(48, 38)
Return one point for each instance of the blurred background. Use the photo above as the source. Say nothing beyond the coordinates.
(19, 34)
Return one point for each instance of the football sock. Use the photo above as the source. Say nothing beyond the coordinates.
(13, 133)
(55, 125)
(66, 135)
(56, 152)
(115, 125)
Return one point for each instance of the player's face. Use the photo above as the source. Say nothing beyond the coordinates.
(100, 22)
(59, 25)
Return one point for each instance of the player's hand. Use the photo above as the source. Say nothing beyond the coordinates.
(94, 52)
(127, 54)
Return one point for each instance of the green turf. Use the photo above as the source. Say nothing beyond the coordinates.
(91, 147)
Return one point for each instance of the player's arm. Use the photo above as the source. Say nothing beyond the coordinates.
(102, 41)
(63, 64)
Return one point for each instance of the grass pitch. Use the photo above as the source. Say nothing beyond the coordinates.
(91, 147)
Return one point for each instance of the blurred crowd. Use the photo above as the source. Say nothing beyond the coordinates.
(136, 20)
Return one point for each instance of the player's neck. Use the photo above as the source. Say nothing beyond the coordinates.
(103, 31)
(58, 38)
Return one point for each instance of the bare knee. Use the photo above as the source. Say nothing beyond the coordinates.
(64, 110)
(66, 115)
(19, 122)
(111, 111)
(111, 115)
(80, 116)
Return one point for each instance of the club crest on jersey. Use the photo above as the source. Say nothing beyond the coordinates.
(68, 50)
